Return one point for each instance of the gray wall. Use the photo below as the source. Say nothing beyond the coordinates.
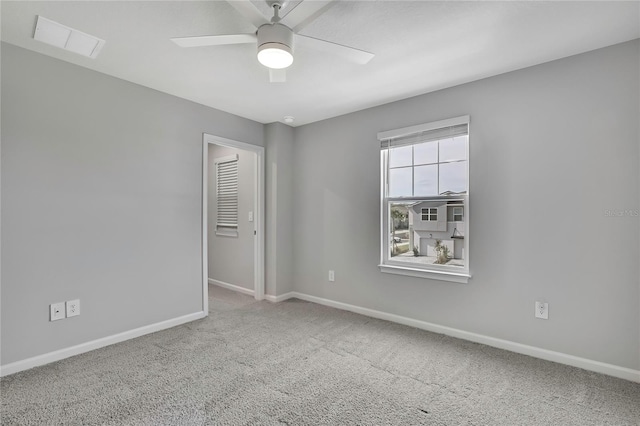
(101, 184)
(231, 258)
(556, 143)
(101, 201)
(279, 141)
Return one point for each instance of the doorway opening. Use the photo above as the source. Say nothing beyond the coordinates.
(233, 228)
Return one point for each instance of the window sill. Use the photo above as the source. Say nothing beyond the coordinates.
(456, 277)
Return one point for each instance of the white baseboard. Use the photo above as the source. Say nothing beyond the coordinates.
(280, 298)
(47, 358)
(587, 364)
(559, 357)
(232, 287)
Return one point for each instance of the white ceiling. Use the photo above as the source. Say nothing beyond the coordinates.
(420, 46)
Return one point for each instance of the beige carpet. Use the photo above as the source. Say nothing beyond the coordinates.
(297, 363)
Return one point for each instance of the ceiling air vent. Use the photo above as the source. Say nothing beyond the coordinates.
(55, 34)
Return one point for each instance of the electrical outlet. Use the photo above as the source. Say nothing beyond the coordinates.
(57, 311)
(73, 308)
(332, 276)
(542, 310)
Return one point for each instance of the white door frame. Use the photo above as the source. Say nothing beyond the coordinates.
(258, 202)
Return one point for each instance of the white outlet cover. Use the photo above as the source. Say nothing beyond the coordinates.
(542, 310)
(73, 308)
(56, 311)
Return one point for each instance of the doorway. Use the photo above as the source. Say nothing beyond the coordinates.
(232, 241)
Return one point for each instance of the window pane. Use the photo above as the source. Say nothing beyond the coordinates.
(417, 239)
(425, 180)
(400, 156)
(454, 148)
(399, 221)
(453, 177)
(425, 153)
(400, 182)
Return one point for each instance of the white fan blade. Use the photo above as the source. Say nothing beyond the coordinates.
(355, 55)
(249, 11)
(214, 40)
(305, 12)
(277, 76)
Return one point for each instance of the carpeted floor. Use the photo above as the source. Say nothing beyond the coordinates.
(299, 363)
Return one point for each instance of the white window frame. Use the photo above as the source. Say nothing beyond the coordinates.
(226, 229)
(437, 272)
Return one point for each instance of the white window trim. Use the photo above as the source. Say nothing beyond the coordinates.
(226, 230)
(461, 277)
(435, 272)
(406, 131)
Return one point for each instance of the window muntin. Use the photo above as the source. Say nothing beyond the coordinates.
(425, 179)
(429, 168)
(429, 214)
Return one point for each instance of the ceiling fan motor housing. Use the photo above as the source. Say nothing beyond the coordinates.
(275, 36)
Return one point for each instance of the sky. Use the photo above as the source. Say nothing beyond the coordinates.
(428, 168)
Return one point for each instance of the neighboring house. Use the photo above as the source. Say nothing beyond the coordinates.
(437, 220)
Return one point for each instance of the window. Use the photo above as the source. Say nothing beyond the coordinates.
(227, 195)
(425, 188)
(429, 214)
(458, 214)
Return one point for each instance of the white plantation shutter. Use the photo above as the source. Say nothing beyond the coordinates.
(227, 192)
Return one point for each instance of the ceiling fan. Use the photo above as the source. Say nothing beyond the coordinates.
(275, 38)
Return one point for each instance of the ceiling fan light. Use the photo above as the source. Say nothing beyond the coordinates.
(275, 45)
(275, 55)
